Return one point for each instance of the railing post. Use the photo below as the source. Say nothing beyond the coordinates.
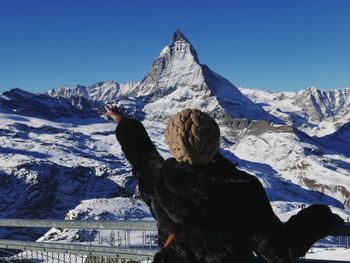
(112, 237)
(99, 238)
(347, 237)
(143, 238)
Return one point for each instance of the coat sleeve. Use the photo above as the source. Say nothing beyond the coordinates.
(268, 237)
(284, 243)
(141, 153)
(308, 226)
(135, 143)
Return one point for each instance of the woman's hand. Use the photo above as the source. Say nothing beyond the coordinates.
(113, 113)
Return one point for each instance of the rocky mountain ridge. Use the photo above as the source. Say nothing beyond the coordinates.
(314, 111)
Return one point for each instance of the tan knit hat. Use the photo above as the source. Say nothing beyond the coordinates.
(192, 136)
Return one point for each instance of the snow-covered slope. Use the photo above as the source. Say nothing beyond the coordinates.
(118, 208)
(40, 105)
(290, 162)
(339, 140)
(324, 104)
(47, 168)
(316, 112)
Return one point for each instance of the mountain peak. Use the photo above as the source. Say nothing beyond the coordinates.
(312, 89)
(309, 90)
(17, 92)
(179, 36)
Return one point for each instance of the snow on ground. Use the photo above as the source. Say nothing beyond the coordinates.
(337, 254)
(281, 100)
(285, 160)
(120, 209)
(66, 143)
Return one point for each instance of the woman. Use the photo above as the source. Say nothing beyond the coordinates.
(206, 209)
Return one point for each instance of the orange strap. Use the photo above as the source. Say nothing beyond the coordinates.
(170, 238)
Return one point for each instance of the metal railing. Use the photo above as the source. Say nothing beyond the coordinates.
(65, 252)
(82, 224)
(54, 252)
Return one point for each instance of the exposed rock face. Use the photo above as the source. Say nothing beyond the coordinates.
(257, 127)
(336, 189)
(314, 111)
(178, 80)
(106, 92)
(322, 104)
(103, 92)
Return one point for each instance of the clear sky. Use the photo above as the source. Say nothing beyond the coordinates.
(271, 45)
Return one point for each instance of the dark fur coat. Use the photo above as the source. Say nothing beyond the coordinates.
(218, 213)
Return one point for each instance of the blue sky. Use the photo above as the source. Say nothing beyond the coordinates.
(271, 45)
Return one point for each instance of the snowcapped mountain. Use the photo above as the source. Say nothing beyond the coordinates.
(101, 91)
(316, 112)
(265, 133)
(105, 92)
(176, 80)
(40, 105)
(320, 105)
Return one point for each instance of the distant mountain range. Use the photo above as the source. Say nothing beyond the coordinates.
(314, 111)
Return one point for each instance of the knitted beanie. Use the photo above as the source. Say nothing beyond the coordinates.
(193, 137)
